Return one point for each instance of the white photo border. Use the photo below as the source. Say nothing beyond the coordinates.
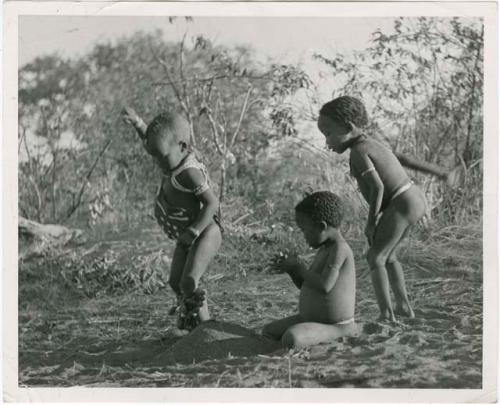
(14, 393)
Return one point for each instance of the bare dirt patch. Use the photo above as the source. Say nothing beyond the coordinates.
(126, 339)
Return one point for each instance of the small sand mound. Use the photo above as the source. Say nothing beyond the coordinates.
(217, 340)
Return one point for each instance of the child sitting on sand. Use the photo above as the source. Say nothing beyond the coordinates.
(395, 202)
(327, 288)
(185, 208)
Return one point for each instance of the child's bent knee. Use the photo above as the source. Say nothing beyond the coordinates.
(376, 258)
(392, 259)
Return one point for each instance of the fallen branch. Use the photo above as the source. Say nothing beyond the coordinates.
(36, 238)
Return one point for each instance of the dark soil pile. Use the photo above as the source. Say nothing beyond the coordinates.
(217, 340)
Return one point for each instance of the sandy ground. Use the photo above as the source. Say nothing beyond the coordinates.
(128, 340)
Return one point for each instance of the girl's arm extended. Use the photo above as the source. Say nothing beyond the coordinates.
(324, 280)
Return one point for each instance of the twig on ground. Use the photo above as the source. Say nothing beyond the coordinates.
(290, 371)
(217, 384)
(242, 217)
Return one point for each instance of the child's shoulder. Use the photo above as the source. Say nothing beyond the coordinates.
(369, 146)
(362, 145)
(340, 248)
(191, 176)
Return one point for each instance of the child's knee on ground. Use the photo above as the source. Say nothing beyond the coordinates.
(292, 339)
(302, 335)
(309, 334)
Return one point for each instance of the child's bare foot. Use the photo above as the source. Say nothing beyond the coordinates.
(202, 301)
(383, 318)
(387, 316)
(176, 307)
(196, 309)
(182, 312)
(405, 310)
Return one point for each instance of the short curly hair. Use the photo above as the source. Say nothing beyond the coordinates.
(168, 125)
(346, 110)
(323, 206)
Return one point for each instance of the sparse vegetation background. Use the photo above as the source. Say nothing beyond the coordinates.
(95, 312)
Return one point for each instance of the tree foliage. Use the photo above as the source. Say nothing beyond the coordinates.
(232, 105)
(422, 83)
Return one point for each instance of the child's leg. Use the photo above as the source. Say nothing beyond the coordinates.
(312, 333)
(397, 281)
(199, 257)
(276, 329)
(177, 267)
(412, 206)
(389, 231)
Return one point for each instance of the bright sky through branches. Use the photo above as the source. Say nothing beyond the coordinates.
(291, 40)
(284, 39)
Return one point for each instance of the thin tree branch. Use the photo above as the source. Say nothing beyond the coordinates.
(181, 69)
(38, 197)
(182, 101)
(76, 204)
(242, 115)
(216, 77)
(213, 126)
(23, 135)
(473, 93)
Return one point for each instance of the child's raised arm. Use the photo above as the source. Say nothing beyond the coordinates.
(131, 117)
(371, 187)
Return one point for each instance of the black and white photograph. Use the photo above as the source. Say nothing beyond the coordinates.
(243, 198)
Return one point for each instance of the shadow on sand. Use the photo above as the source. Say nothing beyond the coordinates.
(217, 340)
(210, 341)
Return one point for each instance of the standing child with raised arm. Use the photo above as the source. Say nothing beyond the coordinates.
(185, 207)
(328, 286)
(395, 202)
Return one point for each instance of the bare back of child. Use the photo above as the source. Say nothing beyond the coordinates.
(327, 288)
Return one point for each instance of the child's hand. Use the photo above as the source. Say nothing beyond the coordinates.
(130, 116)
(277, 260)
(291, 264)
(284, 262)
(186, 239)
